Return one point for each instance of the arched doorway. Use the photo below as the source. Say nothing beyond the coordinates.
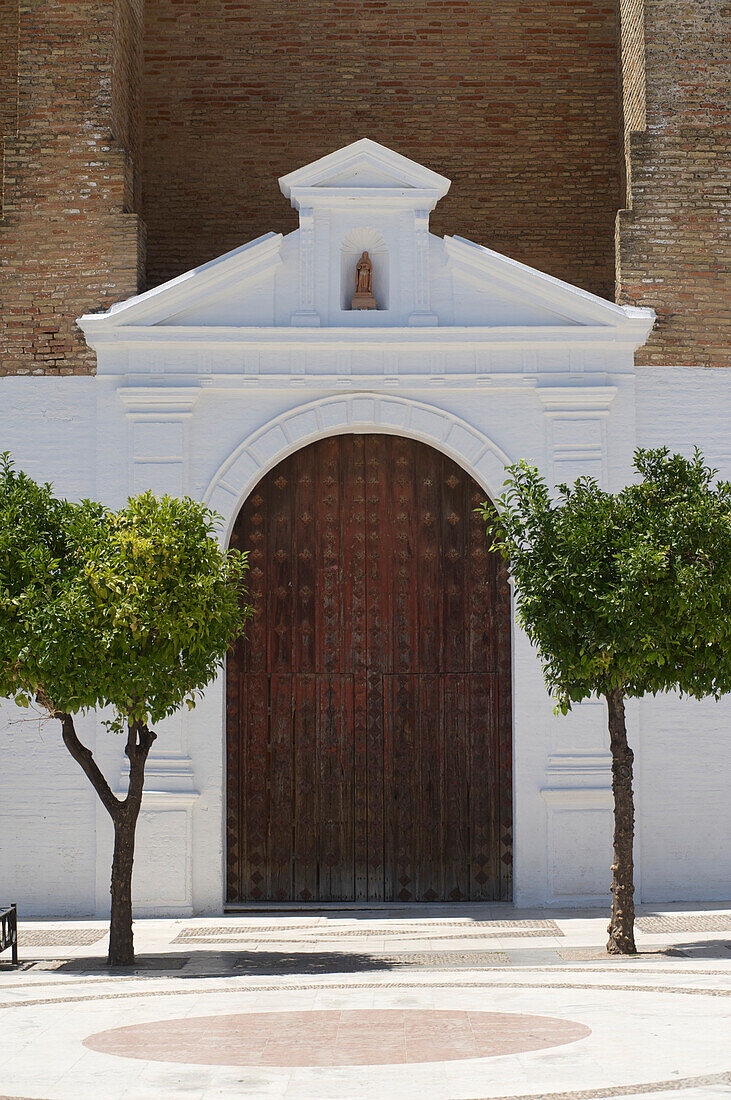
(368, 709)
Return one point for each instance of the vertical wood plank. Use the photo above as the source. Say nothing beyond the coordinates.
(304, 551)
(401, 559)
(280, 602)
(305, 810)
(255, 770)
(457, 789)
(379, 555)
(427, 475)
(485, 800)
(432, 762)
(234, 772)
(353, 535)
(481, 571)
(335, 760)
(280, 800)
(378, 766)
(251, 534)
(378, 571)
(454, 633)
(401, 787)
(503, 621)
(330, 610)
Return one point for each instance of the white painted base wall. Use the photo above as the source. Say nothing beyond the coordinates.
(55, 840)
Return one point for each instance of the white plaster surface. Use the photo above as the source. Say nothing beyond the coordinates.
(207, 382)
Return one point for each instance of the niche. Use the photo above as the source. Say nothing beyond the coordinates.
(354, 245)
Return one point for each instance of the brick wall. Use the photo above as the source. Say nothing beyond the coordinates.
(632, 45)
(515, 102)
(8, 65)
(670, 252)
(68, 240)
(188, 114)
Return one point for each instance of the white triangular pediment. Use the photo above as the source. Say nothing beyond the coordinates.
(365, 198)
(248, 264)
(364, 164)
(496, 276)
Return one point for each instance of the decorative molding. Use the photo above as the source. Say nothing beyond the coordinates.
(576, 798)
(576, 434)
(363, 238)
(164, 401)
(489, 337)
(357, 412)
(306, 314)
(582, 769)
(157, 427)
(577, 399)
(422, 314)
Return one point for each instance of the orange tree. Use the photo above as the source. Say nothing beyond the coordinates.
(131, 610)
(623, 594)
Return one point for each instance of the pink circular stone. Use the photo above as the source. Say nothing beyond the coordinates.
(336, 1038)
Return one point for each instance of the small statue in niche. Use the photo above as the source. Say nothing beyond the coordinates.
(363, 297)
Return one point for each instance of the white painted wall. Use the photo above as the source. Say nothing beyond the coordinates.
(54, 837)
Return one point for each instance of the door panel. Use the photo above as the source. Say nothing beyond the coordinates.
(368, 711)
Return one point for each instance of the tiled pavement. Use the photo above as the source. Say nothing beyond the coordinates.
(464, 1002)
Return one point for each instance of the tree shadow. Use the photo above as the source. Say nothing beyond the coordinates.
(699, 949)
(216, 964)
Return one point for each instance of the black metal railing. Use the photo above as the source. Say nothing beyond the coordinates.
(9, 931)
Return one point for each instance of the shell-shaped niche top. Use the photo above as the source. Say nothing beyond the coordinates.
(363, 239)
(354, 244)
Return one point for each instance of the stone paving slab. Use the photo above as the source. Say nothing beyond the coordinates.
(651, 1025)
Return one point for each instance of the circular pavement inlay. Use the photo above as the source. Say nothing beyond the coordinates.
(336, 1037)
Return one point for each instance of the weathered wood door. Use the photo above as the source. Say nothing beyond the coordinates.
(368, 710)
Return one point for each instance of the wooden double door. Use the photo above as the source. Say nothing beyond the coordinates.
(368, 708)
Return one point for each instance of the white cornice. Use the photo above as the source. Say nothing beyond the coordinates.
(628, 336)
(410, 198)
(576, 397)
(176, 400)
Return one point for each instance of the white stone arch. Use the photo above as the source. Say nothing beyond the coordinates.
(352, 413)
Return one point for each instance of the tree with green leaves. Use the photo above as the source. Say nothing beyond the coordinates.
(131, 610)
(623, 594)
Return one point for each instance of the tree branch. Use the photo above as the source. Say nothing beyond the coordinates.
(139, 743)
(85, 759)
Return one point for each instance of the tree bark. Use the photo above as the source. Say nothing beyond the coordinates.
(121, 937)
(621, 926)
(124, 814)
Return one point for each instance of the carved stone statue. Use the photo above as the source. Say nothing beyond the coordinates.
(363, 297)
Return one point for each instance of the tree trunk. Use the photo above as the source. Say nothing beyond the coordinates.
(621, 926)
(124, 814)
(121, 942)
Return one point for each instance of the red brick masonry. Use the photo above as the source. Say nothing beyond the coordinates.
(140, 140)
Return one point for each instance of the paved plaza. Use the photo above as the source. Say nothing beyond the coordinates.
(461, 1002)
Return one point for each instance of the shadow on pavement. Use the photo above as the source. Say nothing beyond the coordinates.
(700, 949)
(209, 964)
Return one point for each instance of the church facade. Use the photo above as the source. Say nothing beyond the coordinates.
(344, 390)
